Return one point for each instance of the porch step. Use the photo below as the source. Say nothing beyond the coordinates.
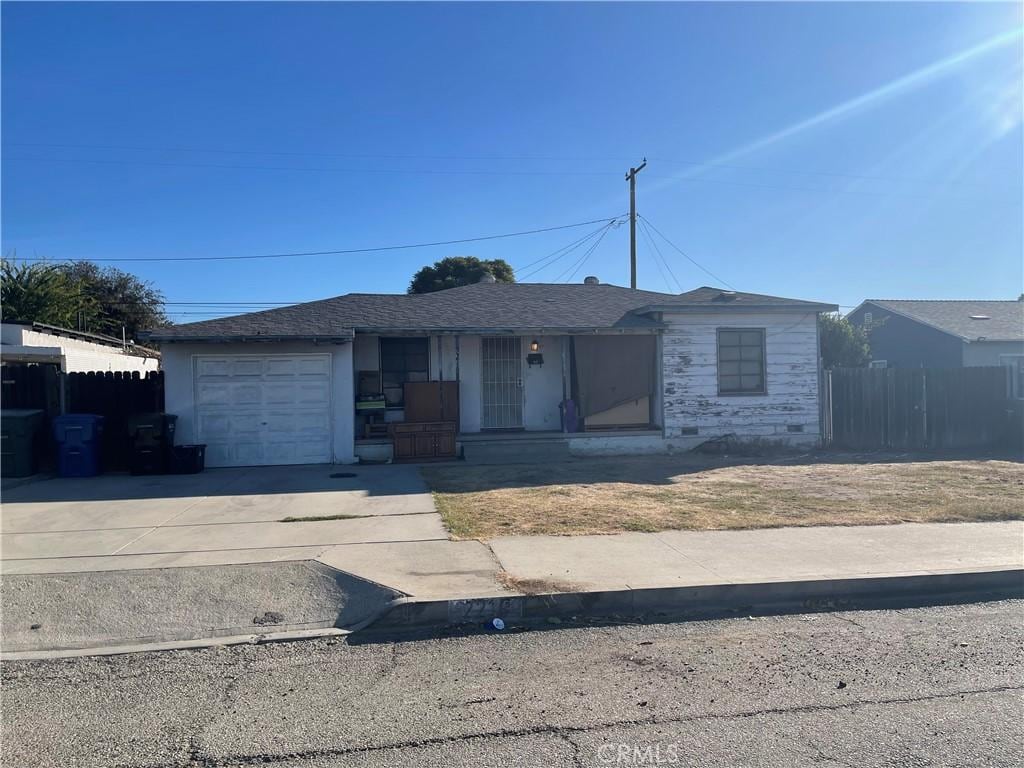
(517, 451)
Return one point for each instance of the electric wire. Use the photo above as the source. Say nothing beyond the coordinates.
(687, 256)
(340, 251)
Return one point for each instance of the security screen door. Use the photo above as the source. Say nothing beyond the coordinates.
(502, 372)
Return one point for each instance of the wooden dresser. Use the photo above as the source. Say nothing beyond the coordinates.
(423, 440)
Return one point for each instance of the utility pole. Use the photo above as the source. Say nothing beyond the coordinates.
(631, 178)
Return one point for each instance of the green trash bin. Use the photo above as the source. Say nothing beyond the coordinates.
(18, 430)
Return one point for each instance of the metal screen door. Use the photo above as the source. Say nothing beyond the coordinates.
(502, 372)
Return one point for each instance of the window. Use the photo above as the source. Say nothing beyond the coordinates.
(741, 368)
(867, 320)
(402, 360)
(878, 364)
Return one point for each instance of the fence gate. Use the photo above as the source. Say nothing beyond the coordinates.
(502, 382)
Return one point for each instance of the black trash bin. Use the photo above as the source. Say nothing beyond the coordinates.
(19, 430)
(187, 459)
(151, 439)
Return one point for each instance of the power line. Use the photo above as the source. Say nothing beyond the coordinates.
(567, 250)
(583, 259)
(646, 229)
(346, 155)
(500, 158)
(661, 271)
(830, 190)
(325, 169)
(659, 259)
(340, 251)
(563, 248)
(686, 256)
(923, 195)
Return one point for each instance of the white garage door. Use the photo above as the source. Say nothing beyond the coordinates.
(263, 409)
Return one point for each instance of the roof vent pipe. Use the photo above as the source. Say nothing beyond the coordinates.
(487, 277)
(591, 280)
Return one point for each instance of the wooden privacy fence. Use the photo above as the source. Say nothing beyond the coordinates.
(115, 395)
(920, 408)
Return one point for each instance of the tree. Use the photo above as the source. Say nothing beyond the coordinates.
(36, 293)
(112, 299)
(459, 270)
(80, 296)
(843, 344)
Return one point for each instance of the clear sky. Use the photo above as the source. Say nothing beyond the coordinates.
(820, 151)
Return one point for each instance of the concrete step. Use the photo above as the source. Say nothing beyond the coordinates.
(518, 451)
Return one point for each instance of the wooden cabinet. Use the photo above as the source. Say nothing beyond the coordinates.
(422, 441)
(432, 401)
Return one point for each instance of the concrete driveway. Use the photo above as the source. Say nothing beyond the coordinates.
(221, 516)
(124, 562)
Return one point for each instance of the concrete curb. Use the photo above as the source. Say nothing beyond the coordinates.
(405, 615)
(706, 601)
(176, 645)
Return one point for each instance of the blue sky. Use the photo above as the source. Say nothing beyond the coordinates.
(821, 151)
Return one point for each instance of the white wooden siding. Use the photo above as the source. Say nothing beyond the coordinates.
(690, 374)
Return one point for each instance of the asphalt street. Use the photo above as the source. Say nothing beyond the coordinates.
(934, 686)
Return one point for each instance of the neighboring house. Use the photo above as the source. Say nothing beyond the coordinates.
(602, 369)
(72, 351)
(945, 334)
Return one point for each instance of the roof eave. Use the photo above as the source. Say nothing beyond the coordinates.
(725, 308)
(247, 338)
(913, 318)
(512, 330)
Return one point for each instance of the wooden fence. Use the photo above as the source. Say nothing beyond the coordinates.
(115, 395)
(917, 408)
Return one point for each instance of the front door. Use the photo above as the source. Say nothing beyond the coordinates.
(502, 380)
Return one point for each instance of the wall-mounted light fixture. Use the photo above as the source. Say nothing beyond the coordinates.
(534, 357)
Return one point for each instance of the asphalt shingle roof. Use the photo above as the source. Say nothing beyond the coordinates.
(482, 306)
(1005, 319)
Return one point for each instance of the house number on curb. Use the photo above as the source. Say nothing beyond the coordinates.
(483, 609)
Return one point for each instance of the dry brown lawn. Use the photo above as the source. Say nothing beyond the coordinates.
(707, 493)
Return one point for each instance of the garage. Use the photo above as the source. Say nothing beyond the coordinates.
(253, 410)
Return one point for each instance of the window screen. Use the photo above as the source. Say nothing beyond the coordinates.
(402, 360)
(741, 361)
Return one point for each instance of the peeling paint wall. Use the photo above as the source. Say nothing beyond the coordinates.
(691, 398)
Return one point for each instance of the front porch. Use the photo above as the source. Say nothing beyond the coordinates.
(537, 446)
(552, 395)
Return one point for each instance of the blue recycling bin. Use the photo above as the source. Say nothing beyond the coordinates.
(78, 444)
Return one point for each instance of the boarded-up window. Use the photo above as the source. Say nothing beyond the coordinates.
(741, 361)
(402, 360)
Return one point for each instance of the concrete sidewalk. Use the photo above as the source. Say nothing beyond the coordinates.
(690, 558)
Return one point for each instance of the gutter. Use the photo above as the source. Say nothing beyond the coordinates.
(247, 339)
